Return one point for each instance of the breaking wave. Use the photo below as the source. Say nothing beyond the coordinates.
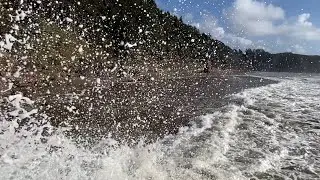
(270, 132)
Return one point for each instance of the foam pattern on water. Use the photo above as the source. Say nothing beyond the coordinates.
(272, 134)
(282, 121)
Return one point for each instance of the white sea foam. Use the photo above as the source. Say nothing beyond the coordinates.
(273, 134)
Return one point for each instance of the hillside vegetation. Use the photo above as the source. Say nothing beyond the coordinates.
(131, 35)
(114, 33)
(282, 62)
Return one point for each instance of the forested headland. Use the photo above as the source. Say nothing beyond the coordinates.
(120, 36)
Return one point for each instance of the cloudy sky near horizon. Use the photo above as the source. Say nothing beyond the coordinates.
(274, 25)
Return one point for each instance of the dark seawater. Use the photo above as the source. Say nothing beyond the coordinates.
(269, 132)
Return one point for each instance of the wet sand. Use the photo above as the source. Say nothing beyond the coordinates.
(130, 110)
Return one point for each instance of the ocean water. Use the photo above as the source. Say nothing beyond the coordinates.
(270, 132)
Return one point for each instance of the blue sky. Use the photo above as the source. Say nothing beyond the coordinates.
(274, 25)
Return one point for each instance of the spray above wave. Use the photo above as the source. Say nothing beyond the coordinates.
(266, 137)
(41, 151)
(77, 62)
(271, 135)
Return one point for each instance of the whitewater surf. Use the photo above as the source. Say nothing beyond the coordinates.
(270, 132)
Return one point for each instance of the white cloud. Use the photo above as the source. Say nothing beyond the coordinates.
(255, 10)
(209, 24)
(237, 42)
(298, 49)
(304, 29)
(256, 18)
(303, 20)
(243, 41)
